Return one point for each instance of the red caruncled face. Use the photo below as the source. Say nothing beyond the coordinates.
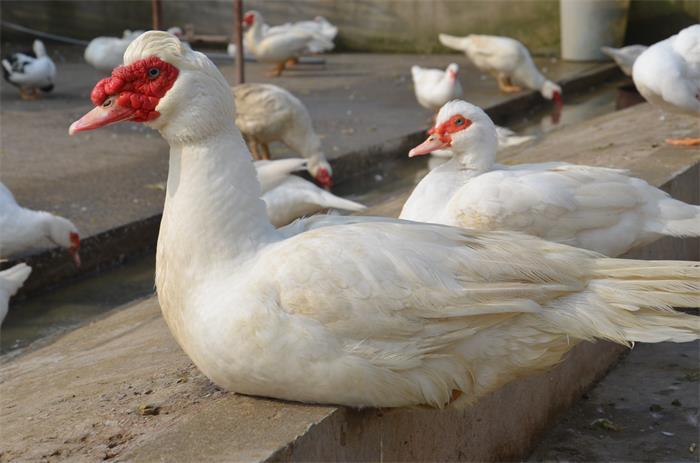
(140, 87)
(454, 124)
(440, 136)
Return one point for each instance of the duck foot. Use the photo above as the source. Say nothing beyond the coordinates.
(277, 70)
(505, 84)
(28, 95)
(291, 62)
(683, 141)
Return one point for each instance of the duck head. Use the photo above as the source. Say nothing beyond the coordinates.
(464, 129)
(155, 87)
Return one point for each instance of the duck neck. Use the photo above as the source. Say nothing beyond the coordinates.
(213, 211)
(476, 159)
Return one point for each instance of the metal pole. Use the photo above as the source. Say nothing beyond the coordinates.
(156, 14)
(238, 39)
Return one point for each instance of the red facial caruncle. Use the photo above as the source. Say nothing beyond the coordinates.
(440, 135)
(139, 86)
(131, 93)
(249, 19)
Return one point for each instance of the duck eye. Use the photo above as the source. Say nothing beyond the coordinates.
(153, 73)
(459, 121)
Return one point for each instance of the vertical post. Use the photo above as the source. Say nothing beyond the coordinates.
(238, 39)
(156, 14)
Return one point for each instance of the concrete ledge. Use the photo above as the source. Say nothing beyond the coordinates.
(79, 397)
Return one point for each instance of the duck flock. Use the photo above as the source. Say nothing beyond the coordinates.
(490, 273)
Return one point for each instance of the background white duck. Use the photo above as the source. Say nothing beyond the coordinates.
(435, 87)
(318, 26)
(625, 56)
(106, 53)
(667, 75)
(601, 209)
(23, 228)
(277, 47)
(268, 113)
(30, 71)
(356, 310)
(507, 60)
(11, 280)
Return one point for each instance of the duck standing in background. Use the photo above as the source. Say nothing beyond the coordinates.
(31, 71)
(507, 60)
(604, 210)
(667, 75)
(435, 87)
(267, 113)
(280, 47)
(22, 228)
(11, 280)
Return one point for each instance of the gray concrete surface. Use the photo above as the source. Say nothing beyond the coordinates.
(84, 394)
(645, 409)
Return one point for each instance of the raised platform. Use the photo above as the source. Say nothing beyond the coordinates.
(80, 396)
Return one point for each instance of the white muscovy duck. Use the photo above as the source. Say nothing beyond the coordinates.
(507, 60)
(11, 280)
(667, 75)
(435, 87)
(595, 208)
(22, 228)
(268, 113)
(279, 47)
(625, 56)
(360, 311)
(31, 71)
(106, 53)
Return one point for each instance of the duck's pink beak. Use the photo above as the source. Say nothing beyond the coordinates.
(101, 116)
(432, 143)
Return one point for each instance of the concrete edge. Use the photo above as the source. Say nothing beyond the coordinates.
(53, 267)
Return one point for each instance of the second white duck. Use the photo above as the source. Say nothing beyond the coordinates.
(601, 209)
